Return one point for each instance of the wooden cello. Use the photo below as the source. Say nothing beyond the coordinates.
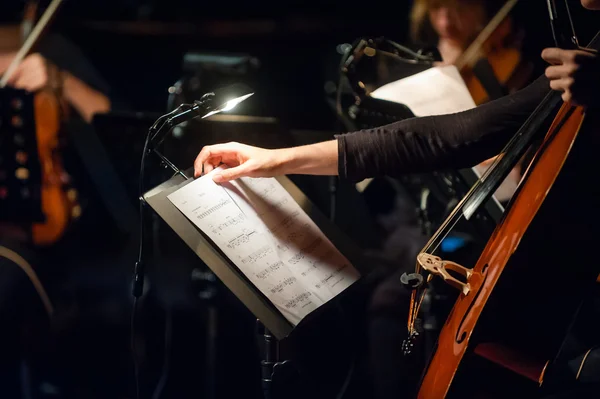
(517, 303)
(59, 201)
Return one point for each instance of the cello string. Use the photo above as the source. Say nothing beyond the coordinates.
(575, 40)
(517, 144)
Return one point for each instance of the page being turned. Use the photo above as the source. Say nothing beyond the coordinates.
(258, 225)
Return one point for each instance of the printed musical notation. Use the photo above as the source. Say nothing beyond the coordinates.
(268, 236)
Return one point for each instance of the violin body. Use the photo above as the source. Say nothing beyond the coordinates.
(492, 65)
(505, 64)
(59, 201)
(523, 293)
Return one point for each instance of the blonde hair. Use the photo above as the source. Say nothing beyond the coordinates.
(421, 30)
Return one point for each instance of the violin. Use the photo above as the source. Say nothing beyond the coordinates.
(493, 64)
(58, 199)
(517, 303)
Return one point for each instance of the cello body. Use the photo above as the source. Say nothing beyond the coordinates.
(519, 300)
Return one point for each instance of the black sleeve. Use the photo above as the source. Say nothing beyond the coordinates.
(424, 144)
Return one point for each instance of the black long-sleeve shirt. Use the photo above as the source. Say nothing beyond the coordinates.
(430, 143)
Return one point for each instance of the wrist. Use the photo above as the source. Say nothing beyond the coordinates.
(312, 159)
(285, 160)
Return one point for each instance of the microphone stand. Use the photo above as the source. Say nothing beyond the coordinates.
(156, 135)
(220, 100)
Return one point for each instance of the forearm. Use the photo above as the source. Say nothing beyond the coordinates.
(425, 144)
(86, 101)
(312, 159)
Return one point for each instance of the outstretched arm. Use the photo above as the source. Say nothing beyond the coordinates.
(412, 145)
(419, 144)
(245, 160)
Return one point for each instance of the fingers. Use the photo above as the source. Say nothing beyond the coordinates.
(232, 173)
(201, 165)
(554, 55)
(31, 74)
(563, 84)
(560, 71)
(557, 56)
(213, 155)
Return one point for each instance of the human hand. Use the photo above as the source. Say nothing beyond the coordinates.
(33, 74)
(242, 160)
(575, 73)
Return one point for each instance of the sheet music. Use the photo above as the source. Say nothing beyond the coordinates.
(268, 236)
(435, 91)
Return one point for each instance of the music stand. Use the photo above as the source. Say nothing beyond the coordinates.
(276, 326)
(20, 169)
(224, 268)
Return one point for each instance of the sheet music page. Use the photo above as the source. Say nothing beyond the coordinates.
(268, 236)
(435, 91)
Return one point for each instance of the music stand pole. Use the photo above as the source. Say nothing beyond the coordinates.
(277, 377)
(271, 357)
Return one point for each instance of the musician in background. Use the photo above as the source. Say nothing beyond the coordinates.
(452, 26)
(58, 65)
(53, 67)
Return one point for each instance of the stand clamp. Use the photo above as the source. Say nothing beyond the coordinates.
(279, 378)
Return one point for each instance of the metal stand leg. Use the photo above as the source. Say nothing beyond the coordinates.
(279, 379)
(207, 292)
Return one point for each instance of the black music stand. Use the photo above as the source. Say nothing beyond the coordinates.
(20, 169)
(276, 326)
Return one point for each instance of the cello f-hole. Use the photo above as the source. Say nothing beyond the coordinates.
(460, 336)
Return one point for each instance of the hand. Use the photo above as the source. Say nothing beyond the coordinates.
(32, 74)
(242, 160)
(575, 73)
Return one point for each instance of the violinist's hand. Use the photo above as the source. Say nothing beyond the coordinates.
(32, 74)
(575, 73)
(243, 160)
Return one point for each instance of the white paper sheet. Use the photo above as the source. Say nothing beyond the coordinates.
(268, 236)
(435, 91)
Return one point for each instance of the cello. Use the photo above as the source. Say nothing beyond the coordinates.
(58, 200)
(516, 305)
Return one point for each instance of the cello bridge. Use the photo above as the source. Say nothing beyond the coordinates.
(439, 267)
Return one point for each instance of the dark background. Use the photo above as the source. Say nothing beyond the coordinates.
(138, 48)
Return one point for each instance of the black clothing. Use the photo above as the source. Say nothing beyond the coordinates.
(431, 143)
(427, 144)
